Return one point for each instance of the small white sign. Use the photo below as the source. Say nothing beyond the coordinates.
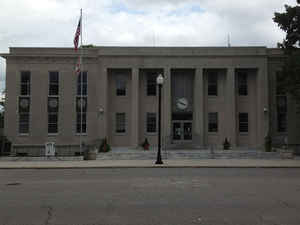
(49, 149)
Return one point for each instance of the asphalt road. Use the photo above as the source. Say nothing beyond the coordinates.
(150, 196)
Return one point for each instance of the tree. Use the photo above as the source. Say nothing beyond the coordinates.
(289, 22)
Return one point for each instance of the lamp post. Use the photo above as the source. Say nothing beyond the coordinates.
(159, 81)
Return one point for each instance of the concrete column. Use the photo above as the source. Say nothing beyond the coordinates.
(135, 108)
(231, 115)
(262, 102)
(198, 125)
(103, 96)
(166, 107)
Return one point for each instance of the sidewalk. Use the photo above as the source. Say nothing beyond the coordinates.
(172, 163)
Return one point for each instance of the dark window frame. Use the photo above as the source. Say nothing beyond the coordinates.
(81, 113)
(120, 123)
(151, 84)
(121, 85)
(53, 114)
(242, 83)
(213, 122)
(25, 83)
(24, 112)
(151, 122)
(53, 83)
(212, 84)
(243, 122)
(82, 77)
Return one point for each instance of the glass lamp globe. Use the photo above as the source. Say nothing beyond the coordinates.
(160, 79)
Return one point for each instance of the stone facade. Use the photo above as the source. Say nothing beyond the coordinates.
(110, 67)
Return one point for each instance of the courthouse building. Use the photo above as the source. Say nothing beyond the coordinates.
(209, 94)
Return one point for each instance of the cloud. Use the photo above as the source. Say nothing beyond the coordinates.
(52, 23)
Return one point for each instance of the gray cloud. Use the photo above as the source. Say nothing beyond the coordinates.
(52, 23)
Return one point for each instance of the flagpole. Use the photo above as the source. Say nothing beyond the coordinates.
(81, 82)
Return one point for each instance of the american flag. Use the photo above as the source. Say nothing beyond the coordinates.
(77, 34)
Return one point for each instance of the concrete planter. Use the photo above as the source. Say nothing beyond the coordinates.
(286, 154)
(90, 154)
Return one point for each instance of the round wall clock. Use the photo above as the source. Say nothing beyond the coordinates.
(24, 103)
(182, 103)
(53, 103)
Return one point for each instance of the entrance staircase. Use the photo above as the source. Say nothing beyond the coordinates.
(139, 154)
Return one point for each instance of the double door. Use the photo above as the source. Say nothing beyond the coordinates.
(182, 130)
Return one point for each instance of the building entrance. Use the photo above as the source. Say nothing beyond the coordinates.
(182, 130)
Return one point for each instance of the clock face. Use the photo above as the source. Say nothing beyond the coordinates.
(24, 103)
(182, 103)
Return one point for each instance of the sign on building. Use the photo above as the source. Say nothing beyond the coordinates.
(49, 149)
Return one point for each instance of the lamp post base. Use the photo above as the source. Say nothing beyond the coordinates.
(159, 162)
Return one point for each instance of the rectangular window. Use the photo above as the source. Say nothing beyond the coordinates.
(212, 84)
(151, 84)
(53, 83)
(25, 83)
(120, 85)
(281, 113)
(213, 122)
(82, 82)
(81, 112)
(120, 123)
(242, 83)
(243, 122)
(24, 109)
(280, 83)
(151, 122)
(53, 105)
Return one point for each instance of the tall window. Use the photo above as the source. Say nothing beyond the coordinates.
(212, 88)
(213, 122)
(151, 84)
(120, 123)
(24, 107)
(81, 114)
(53, 115)
(151, 122)
(82, 82)
(53, 102)
(81, 103)
(53, 83)
(120, 85)
(25, 83)
(281, 102)
(24, 102)
(243, 122)
(243, 83)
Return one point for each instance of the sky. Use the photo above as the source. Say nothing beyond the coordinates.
(52, 23)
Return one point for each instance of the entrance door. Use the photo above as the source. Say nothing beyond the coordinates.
(182, 131)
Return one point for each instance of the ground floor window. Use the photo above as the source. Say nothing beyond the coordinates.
(24, 109)
(243, 122)
(81, 112)
(213, 122)
(151, 122)
(120, 123)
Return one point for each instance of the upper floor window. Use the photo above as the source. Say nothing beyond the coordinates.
(212, 88)
(120, 85)
(280, 83)
(53, 83)
(213, 122)
(82, 83)
(151, 122)
(151, 84)
(243, 122)
(243, 83)
(25, 83)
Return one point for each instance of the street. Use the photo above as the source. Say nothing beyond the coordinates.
(150, 196)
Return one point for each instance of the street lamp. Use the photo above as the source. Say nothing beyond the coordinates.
(159, 81)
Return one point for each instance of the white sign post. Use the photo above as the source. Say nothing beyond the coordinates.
(49, 149)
